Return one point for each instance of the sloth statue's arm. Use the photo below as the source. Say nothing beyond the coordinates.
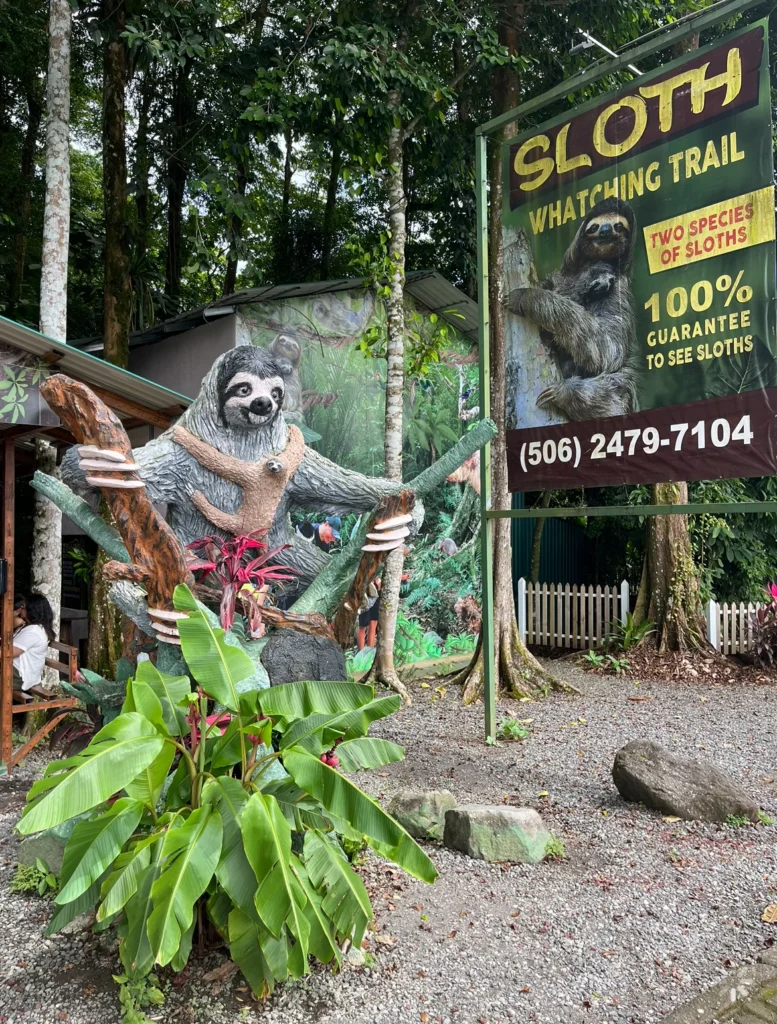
(327, 487)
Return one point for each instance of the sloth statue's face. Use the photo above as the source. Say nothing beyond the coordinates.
(607, 237)
(251, 401)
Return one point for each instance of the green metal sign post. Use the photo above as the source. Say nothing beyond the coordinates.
(659, 39)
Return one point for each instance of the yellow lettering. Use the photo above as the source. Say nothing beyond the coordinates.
(710, 157)
(601, 145)
(595, 191)
(636, 183)
(731, 78)
(537, 218)
(581, 198)
(652, 177)
(674, 160)
(569, 210)
(611, 188)
(565, 163)
(554, 214)
(736, 154)
(542, 166)
(692, 158)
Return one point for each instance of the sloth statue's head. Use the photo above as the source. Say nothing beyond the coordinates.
(250, 385)
(607, 233)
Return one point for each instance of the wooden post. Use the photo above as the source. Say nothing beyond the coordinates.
(6, 616)
(624, 601)
(521, 610)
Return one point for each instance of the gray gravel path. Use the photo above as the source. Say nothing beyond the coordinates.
(643, 915)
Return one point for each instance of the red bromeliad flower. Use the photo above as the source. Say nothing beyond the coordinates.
(771, 591)
(230, 565)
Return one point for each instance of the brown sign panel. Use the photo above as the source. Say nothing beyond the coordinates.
(720, 437)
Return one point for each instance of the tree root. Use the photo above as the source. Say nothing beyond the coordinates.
(520, 675)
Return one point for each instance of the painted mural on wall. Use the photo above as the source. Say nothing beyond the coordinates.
(20, 398)
(339, 401)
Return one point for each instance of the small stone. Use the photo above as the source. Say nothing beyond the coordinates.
(422, 812)
(645, 772)
(496, 834)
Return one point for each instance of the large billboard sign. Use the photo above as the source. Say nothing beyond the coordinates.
(645, 349)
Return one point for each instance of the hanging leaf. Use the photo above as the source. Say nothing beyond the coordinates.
(189, 855)
(135, 948)
(342, 798)
(292, 701)
(246, 951)
(116, 755)
(344, 897)
(216, 666)
(233, 869)
(368, 752)
(171, 692)
(93, 847)
(267, 841)
(147, 786)
(318, 732)
(122, 884)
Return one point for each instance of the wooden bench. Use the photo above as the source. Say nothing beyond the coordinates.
(62, 706)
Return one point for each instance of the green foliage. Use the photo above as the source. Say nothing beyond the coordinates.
(626, 635)
(764, 818)
(136, 995)
(511, 729)
(555, 849)
(593, 659)
(179, 821)
(738, 820)
(30, 878)
(617, 665)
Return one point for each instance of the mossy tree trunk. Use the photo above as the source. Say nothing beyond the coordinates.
(517, 672)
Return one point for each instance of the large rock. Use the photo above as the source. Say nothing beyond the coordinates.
(292, 657)
(422, 812)
(48, 846)
(515, 834)
(648, 773)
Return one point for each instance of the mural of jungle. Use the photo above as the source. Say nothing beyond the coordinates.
(335, 341)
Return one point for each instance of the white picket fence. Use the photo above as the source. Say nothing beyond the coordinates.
(730, 626)
(559, 615)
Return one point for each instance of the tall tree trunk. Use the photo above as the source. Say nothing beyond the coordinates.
(281, 243)
(25, 184)
(235, 233)
(669, 591)
(46, 573)
(105, 625)
(536, 541)
(142, 165)
(117, 289)
(384, 669)
(177, 173)
(516, 670)
(335, 167)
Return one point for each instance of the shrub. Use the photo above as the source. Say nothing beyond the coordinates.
(30, 878)
(190, 817)
(765, 628)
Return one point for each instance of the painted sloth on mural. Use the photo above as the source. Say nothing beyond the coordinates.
(585, 312)
(232, 464)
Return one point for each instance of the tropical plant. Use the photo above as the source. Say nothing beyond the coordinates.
(234, 817)
(230, 570)
(511, 729)
(102, 700)
(764, 628)
(30, 878)
(617, 665)
(593, 659)
(626, 635)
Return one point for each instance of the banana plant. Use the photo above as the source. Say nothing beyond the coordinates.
(181, 819)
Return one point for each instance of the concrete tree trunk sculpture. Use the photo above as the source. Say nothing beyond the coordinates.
(46, 568)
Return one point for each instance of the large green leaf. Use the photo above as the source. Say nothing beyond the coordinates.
(141, 698)
(368, 752)
(94, 846)
(318, 732)
(292, 701)
(342, 798)
(147, 786)
(70, 911)
(322, 938)
(171, 692)
(216, 666)
(122, 884)
(246, 951)
(299, 808)
(233, 869)
(267, 840)
(117, 754)
(134, 947)
(344, 898)
(225, 751)
(189, 855)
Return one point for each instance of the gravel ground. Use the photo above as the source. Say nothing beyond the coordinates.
(642, 915)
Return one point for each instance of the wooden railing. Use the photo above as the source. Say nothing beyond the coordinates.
(577, 617)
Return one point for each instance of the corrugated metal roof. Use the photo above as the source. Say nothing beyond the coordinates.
(427, 286)
(90, 369)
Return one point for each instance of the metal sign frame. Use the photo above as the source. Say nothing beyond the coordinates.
(658, 39)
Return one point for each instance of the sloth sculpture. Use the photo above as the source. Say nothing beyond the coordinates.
(585, 311)
(233, 465)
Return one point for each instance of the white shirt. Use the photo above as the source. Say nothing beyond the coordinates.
(34, 645)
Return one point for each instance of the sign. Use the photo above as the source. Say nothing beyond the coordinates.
(646, 351)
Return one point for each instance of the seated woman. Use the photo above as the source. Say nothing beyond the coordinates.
(35, 620)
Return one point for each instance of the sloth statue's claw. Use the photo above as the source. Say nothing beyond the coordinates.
(93, 459)
(515, 300)
(166, 630)
(390, 534)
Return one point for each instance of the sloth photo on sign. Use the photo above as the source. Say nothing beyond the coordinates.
(585, 312)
